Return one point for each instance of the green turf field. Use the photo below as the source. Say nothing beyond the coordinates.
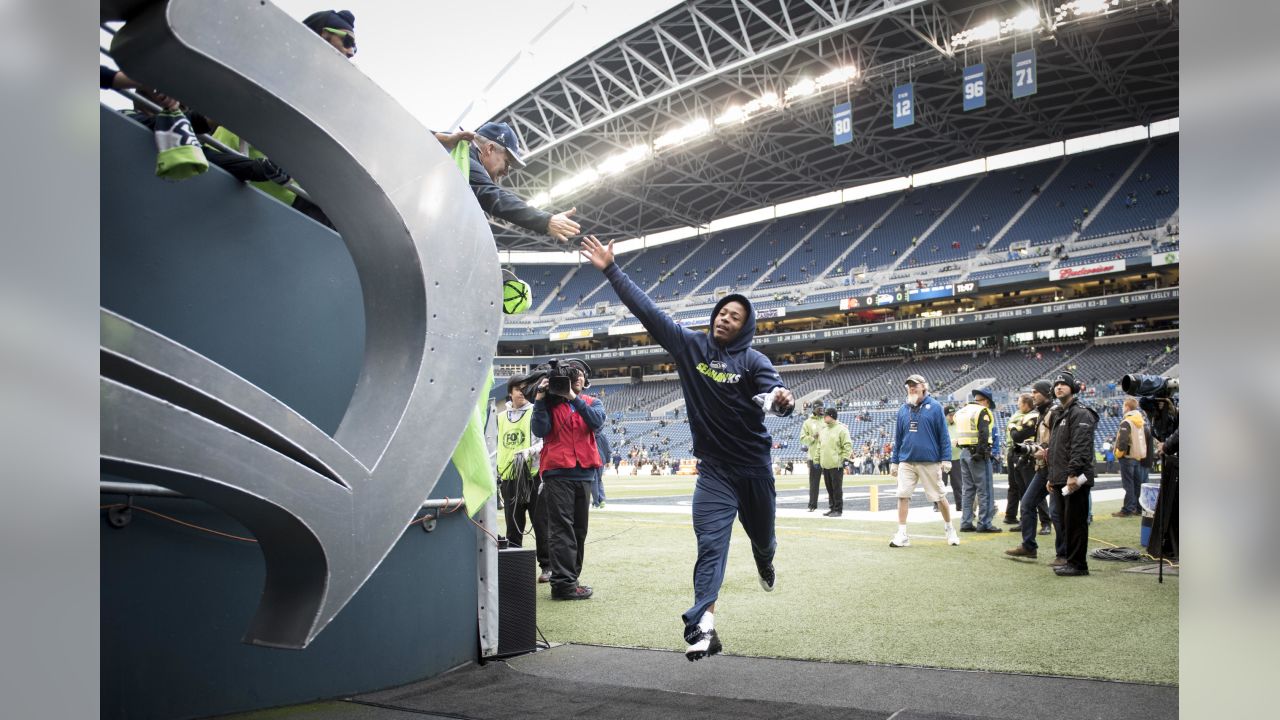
(844, 595)
(633, 486)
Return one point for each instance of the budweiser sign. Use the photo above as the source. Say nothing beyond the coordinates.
(1101, 268)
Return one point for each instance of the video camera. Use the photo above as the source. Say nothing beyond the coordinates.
(561, 373)
(1149, 386)
(1155, 397)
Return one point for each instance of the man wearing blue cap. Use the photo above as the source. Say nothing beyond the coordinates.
(975, 436)
(485, 157)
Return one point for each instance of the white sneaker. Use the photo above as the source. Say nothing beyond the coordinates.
(900, 539)
(706, 645)
(952, 537)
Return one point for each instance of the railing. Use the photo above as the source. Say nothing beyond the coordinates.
(205, 138)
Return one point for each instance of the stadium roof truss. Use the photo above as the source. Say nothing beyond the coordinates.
(1096, 73)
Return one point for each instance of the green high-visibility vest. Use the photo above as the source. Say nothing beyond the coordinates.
(967, 419)
(809, 436)
(462, 157)
(512, 438)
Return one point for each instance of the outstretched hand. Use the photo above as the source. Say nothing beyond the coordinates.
(600, 255)
(562, 227)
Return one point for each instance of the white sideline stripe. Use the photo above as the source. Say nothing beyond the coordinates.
(923, 514)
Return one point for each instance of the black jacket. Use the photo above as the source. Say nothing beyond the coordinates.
(1071, 444)
(503, 203)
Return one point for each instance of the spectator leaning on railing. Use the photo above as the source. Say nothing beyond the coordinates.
(337, 28)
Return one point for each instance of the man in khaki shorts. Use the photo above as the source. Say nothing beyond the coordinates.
(921, 453)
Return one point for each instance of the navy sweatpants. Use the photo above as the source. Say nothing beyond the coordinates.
(723, 492)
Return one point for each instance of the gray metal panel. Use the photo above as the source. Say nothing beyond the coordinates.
(424, 256)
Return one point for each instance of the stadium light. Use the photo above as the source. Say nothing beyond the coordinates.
(733, 114)
(623, 160)
(742, 113)
(685, 133)
(839, 76)
(803, 88)
(574, 182)
(540, 199)
(1028, 19)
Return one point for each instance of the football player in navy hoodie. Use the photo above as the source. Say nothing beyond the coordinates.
(728, 389)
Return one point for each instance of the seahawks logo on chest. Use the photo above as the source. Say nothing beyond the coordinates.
(719, 371)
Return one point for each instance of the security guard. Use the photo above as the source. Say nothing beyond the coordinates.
(975, 424)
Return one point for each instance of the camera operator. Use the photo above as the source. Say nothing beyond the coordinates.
(1071, 471)
(567, 423)
(1164, 528)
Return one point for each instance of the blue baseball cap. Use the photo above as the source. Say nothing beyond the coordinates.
(502, 134)
(984, 392)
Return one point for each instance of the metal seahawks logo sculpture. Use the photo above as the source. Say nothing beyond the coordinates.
(326, 510)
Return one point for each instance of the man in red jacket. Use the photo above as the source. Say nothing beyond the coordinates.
(567, 424)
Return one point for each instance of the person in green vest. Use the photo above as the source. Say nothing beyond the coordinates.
(518, 479)
(251, 165)
(835, 446)
(488, 155)
(975, 435)
(809, 439)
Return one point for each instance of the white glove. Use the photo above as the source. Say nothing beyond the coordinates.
(893, 468)
(946, 466)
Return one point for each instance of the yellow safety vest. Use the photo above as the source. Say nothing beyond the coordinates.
(233, 141)
(462, 157)
(967, 417)
(512, 438)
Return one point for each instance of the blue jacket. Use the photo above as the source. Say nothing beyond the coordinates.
(602, 437)
(921, 433)
(719, 382)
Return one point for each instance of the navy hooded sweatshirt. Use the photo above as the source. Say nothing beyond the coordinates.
(719, 382)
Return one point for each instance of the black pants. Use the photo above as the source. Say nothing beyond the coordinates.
(1075, 525)
(952, 477)
(815, 473)
(568, 506)
(520, 515)
(1022, 473)
(835, 487)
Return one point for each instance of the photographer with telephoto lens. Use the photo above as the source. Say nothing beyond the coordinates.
(1155, 397)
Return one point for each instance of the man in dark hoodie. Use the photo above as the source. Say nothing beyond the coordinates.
(1070, 471)
(728, 389)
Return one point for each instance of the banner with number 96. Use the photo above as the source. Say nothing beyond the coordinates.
(975, 87)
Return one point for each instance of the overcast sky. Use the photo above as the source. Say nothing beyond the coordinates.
(458, 63)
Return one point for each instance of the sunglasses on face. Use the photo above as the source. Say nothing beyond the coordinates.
(348, 40)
